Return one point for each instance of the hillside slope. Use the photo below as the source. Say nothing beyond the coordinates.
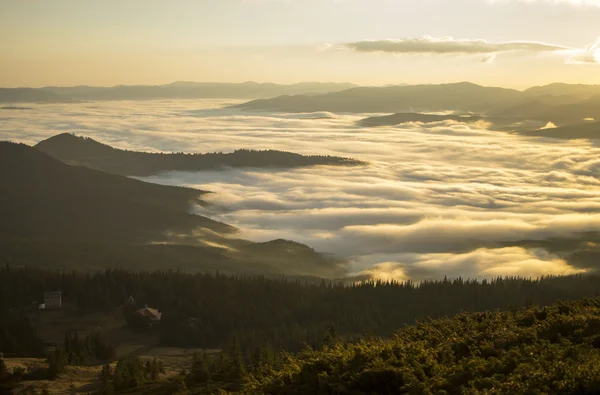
(582, 130)
(87, 152)
(56, 215)
(458, 97)
(555, 350)
(400, 118)
(44, 199)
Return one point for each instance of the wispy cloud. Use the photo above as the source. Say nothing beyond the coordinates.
(449, 45)
(591, 54)
(595, 3)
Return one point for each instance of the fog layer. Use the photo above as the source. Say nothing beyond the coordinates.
(435, 200)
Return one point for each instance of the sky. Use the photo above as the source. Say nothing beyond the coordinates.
(513, 43)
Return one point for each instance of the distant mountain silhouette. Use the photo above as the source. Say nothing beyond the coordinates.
(563, 90)
(19, 95)
(558, 103)
(175, 90)
(563, 114)
(399, 118)
(523, 110)
(57, 215)
(494, 123)
(90, 153)
(463, 97)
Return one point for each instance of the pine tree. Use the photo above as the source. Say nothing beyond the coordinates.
(331, 337)
(58, 360)
(235, 369)
(200, 370)
(107, 387)
(147, 368)
(154, 369)
(4, 374)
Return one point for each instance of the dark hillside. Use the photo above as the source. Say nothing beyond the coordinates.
(582, 130)
(400, 118)
(56, 215)
(90, 153)
(44, 199)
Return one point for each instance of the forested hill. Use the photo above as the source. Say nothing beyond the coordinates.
(45, 199)
(538, 350)
(58, 216)
(360, 340)
(93, 154)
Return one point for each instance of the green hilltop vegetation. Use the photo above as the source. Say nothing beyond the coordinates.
(87, 152)
(535, 350)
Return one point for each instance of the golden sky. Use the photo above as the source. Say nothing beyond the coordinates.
(371, 42)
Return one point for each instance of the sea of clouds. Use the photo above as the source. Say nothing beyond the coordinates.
(434, 200)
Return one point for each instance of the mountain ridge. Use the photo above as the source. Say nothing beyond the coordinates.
(174, 90)
(85, 151)
(61, 216)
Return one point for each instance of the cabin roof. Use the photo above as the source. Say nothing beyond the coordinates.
(150, 313)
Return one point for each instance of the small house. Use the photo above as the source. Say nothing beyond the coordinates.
(52, 300)
(151, 314)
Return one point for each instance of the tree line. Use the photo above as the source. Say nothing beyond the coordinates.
(207, 310)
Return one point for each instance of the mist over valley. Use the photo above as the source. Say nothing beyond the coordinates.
(435, 197)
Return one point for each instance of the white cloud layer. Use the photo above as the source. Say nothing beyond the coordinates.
(449, 45)
(436, 199)
(489, 51)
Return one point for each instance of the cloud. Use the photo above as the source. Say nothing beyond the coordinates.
(480, 263)
(449, 45)
(595, 3)
(549, 125)
(489, 58)
(590, 55)
(437, 199)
